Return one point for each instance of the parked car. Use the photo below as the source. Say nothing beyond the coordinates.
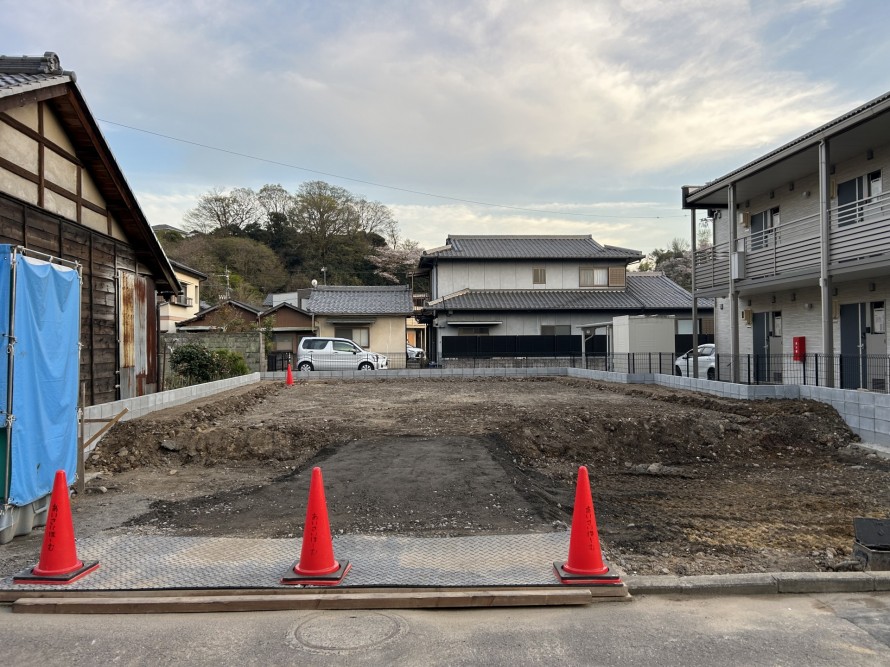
(414, 352)
(707, 362)
(336, 354)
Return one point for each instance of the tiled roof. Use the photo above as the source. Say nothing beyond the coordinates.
(19, 74)
(529, 247)
(645, 291)
(387, 300)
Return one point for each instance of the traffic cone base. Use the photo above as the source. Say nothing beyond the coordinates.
(32, 577)
(605, 579)
(58, 563)
(295, 578)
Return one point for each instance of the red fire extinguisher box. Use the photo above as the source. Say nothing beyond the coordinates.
(799, 347)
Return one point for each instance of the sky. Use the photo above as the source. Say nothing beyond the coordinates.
(464, 117)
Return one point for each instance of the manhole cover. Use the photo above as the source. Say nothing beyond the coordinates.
(346, 632)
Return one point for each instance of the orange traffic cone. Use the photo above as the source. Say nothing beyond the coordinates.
(58, 557)
(289, 377)
(317, 565)
(585, 564)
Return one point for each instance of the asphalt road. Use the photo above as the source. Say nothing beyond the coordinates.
(827, 629)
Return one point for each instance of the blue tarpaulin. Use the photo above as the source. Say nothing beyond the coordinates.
(46, 321)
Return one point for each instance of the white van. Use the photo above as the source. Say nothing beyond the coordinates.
(336, 354)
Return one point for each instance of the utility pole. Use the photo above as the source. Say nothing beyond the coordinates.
(228, 285)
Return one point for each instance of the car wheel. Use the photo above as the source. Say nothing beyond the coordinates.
(304, 366)
(677, 371)
(711, 374)
(366, 366)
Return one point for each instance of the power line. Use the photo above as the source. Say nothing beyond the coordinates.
(381, 185)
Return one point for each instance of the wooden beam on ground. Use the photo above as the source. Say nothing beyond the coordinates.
(306, 601)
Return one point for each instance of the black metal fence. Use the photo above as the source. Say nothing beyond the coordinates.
(464, 347)
(278, 361)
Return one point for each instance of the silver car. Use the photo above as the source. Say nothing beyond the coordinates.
(414, 352)
(336, 354)
(707, 362)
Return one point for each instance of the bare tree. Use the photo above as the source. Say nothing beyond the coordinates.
(226, 212)
(275, 200)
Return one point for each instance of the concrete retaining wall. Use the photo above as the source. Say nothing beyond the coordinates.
(248, 344)
(143, 405)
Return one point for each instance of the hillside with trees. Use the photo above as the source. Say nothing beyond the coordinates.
(252, 242)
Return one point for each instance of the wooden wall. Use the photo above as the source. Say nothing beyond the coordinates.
(101, 258)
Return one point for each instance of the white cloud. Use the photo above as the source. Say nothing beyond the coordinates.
(568, 102)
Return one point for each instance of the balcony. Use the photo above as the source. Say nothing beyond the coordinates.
(185, 301)
(859, 239)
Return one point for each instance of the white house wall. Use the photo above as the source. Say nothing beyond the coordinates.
(494, 275)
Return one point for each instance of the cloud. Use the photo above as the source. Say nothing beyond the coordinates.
(569, 102)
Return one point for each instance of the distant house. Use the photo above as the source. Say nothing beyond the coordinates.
(184, 306)
(800, 266)
(62, 194)
(539, 286)
(226, 315)
(289, 324)
(373, 317)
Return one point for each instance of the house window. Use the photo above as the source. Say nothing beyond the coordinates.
(361, 336)
(593, 277)
(472, 331)
(556, 330)
(539, 276)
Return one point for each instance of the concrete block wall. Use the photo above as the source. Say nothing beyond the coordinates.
(248, 344)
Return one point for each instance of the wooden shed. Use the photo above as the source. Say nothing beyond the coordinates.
(63, 194)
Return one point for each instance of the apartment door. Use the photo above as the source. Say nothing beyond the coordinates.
(853, 333)
(760, 324)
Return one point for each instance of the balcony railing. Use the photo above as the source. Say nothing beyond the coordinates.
(182, 300)
(859, 231)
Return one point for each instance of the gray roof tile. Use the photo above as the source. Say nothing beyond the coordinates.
(19, 74)
(530, 247)
(645, 291)
(387, 300)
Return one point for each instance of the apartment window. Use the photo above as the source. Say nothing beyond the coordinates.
(539, 276)
(472, 331)
(878, 318)
(556, 330)
(593, 277)
(762, 225)
(361, 336)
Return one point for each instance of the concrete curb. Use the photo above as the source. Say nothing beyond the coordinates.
(769, 583)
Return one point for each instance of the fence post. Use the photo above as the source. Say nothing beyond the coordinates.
(816, 356)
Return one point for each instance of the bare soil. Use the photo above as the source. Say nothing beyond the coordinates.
(682, 483)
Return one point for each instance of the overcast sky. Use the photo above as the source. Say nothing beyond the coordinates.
(598, 107)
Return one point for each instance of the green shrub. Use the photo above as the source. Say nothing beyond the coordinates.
(230, 363)
(199, 364)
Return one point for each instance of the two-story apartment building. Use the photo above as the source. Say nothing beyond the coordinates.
(538, 286)
(800, 266)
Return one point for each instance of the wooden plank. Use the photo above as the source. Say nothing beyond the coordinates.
(308, 600)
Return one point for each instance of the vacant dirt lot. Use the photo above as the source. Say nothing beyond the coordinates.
(682, 483)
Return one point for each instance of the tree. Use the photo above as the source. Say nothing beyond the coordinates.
(675, 261)
(392, 264)
(226, 214)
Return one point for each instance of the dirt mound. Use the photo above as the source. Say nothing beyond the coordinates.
(683, 483)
